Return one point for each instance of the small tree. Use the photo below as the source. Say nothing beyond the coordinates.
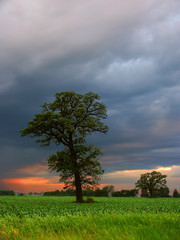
(176, 194)
(151, 183)
(108, 190)
(164, 191)
(67, 121)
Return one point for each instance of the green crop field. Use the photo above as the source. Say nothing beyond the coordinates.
(30, 217)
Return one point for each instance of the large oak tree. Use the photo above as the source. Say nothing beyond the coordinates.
(67, 121)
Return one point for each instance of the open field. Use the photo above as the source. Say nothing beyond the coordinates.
(109, 218)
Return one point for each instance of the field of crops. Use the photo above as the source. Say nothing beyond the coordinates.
(110, 218)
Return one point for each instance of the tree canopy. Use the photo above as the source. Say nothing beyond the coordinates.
(152, 183)
(176, 194)
(67, 121)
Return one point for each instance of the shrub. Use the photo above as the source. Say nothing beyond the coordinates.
(89, 200)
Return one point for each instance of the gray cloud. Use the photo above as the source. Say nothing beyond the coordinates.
(126, 52)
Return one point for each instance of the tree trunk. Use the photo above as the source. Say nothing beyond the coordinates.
(79, 196)
(151, 192)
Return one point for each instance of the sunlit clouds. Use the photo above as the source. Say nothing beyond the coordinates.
(129, 177)
(35, 170)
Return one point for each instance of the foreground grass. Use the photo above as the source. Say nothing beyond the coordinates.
(62, 206)
(104, 226)
(45, 218)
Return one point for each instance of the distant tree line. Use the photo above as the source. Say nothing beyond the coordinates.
(34, 193)
(109, 191)
(68, 192)
(7, 193)
(126, 193)
(104, 192)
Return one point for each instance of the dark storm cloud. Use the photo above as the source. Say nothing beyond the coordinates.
(126, 52)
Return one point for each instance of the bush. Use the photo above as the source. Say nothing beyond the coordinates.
(89, 200)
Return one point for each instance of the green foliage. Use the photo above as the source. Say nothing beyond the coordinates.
(108, 218)
(89, 192)
(105, 191)
(108, 190)
(87, 165)
(62, 206)
(69, 118)
(152, 183)
(164, 191)
(7, 193)
(131, 226)
(67, 121)
(97, 192)
(68, 192)
(126, 193)
(176, 194)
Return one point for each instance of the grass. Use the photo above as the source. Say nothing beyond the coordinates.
(110, 218)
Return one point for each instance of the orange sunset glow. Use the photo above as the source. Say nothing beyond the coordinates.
(30, 181)
(32, 184)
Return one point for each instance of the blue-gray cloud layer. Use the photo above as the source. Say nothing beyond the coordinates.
(128, 53)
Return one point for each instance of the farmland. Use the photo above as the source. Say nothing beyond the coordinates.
(109, 218)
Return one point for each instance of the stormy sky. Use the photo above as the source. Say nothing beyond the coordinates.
(126, 51)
